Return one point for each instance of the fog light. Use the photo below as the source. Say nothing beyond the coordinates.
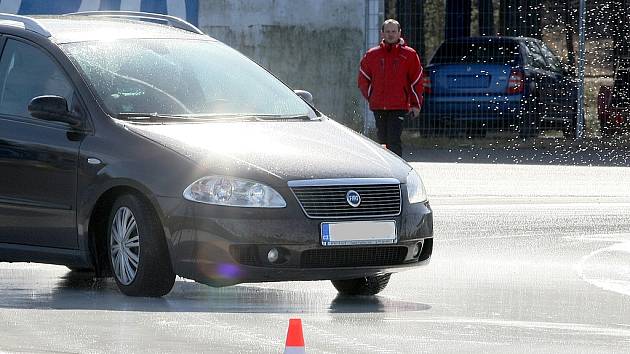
(273, 255)
(416, 250)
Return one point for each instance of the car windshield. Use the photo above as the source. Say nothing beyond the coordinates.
(490, 52)
(184, 78)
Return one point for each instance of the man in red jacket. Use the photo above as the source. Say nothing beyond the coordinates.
(390, 78)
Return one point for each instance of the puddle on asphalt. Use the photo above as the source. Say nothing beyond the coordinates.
(53, 287)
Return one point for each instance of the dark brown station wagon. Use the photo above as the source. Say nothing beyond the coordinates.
(144, 150)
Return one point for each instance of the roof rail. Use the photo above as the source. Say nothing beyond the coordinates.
(29, 23)
(170, 20)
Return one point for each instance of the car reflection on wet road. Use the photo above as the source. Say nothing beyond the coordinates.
(527, 268)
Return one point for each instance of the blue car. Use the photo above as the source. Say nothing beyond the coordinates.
(477, 84)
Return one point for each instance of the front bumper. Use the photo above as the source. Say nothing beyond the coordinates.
(223, 246)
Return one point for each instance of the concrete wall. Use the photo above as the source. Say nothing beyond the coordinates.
(313, 45)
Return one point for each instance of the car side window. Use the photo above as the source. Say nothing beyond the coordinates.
(536, 58)
(27, 72)
(552, 59)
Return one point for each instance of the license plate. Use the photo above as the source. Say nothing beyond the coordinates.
(358, 233)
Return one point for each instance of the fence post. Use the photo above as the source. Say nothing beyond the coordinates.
(486, 18)
(374, 13)
(457, 20)
(579, 129)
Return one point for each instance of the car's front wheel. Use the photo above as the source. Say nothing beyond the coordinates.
(371, 285)
(607, 130)
(137, 249)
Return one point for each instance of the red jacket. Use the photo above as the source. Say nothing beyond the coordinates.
(390, 77)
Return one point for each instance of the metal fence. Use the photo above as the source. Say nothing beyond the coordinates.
(513, 66)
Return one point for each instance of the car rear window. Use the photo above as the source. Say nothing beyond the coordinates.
(491, 52)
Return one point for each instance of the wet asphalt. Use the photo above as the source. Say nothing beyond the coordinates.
(529, 256)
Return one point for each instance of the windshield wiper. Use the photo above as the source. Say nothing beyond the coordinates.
(152, 117)
(249, 116)
(267, 117)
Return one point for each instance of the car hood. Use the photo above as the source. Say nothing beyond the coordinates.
(286, 150)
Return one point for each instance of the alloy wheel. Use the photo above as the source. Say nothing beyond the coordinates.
(124, 243)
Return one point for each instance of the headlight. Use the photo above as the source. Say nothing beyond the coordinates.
(232, 191)
(415, 188)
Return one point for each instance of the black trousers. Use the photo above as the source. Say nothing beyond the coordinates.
(389, 126)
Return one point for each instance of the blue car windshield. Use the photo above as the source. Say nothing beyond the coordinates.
(184, 78)
(486, 52)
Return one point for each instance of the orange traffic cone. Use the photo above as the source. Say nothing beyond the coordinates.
(295, 338)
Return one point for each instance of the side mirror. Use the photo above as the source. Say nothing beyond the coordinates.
(52, 108)
(305, 95)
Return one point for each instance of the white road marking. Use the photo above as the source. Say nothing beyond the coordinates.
(607, 237)
(485, 201)
(477, 238)
(608, 281)
(564, 326)
(344, 341)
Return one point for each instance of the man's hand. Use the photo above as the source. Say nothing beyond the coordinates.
(414, 112)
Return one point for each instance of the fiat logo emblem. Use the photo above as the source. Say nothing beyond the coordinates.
(353, 198)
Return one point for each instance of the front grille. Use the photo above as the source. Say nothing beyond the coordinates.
(353, 257)
(330, 201)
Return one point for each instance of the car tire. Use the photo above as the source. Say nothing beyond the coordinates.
(137, 250)
(568, 129)
(371, 285)
(606, 130)
(528, 122)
